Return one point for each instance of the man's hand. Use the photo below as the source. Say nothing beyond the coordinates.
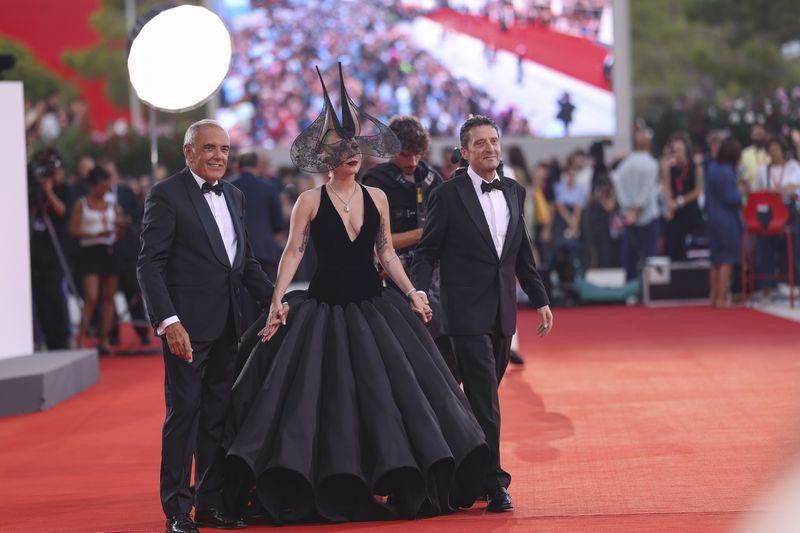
(546, 322)
(178, 342)
(630, 216)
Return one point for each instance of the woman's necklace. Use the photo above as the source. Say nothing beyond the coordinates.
(347, 203)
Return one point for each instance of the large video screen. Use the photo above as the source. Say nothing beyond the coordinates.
(540, 68)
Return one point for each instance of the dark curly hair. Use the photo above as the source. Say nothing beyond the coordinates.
(96, 175)
(473, 122)
(412, 135)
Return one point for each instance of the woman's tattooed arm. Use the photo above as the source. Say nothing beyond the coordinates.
(306, 233)
(381, 241)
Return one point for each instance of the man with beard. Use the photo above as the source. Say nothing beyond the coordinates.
(408, 182)
(754, 156)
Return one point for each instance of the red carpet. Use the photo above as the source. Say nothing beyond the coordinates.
(624, 419)
(573, 56)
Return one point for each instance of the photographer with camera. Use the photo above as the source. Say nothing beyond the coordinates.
(408, 182)
(48, 198)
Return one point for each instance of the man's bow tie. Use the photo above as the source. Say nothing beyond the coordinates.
(216, 189)
(494, 184)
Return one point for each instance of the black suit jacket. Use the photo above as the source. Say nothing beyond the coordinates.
(127, 246)
(264, 215)
(183, 268)
(477, 286)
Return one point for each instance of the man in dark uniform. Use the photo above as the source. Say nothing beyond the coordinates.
(263, 221)
(408, 182)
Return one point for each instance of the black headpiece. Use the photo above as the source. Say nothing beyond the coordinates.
(328, 142)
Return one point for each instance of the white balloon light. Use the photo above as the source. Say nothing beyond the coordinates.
(180, 58)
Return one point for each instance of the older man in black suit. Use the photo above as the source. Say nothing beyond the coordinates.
(194, 259)
(476, 231)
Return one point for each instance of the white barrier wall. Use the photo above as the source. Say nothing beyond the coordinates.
(16, 315)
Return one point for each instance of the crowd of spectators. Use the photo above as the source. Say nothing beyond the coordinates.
(686, 204)
(575, 17)
(47, 118)
(271, 94)
(584, 212)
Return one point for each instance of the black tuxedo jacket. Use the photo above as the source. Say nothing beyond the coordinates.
(127, 246)
(183, 268)
(264, 214)
(478, 288)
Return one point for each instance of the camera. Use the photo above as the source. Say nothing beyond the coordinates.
(43, 166)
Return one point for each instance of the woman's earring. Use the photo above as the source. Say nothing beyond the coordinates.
(330, 174)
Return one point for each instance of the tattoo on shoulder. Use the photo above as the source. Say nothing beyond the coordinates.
(381, 241)
(306, 233)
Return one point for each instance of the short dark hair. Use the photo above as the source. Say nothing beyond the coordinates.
(777, 139)
(473, 122)
(411, 132)
(96, 175)
(730, 152)
(248, 159)
(683, 137)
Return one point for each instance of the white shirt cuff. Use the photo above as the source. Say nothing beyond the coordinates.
(166, 322)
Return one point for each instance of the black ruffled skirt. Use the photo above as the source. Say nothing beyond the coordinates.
(349, 413)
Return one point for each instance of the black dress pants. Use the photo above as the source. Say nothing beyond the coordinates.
(197, 398)
(482, 362)
(51, 306)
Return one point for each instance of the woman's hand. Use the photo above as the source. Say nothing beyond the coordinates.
(419, 304)
(276, 318)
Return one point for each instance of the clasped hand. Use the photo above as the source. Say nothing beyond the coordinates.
(419, 304)
(278, 311)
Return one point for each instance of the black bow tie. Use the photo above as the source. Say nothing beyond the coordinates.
(216, 189)
(494, 184)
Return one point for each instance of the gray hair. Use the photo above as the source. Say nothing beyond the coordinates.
(191, 132)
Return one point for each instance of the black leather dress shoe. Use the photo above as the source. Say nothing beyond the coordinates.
(515, 358)
(499, 501)
(181, 523)
(217, 519)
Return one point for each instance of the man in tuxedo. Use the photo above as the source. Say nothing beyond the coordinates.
(194, 259)
(408, 182)
(264, 221)
(476, 231)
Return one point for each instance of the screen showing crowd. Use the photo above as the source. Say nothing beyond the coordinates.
(538, 67)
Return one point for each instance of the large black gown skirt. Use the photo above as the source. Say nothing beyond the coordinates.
(348, 401)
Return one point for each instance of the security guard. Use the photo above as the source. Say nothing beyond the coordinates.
(408, 182)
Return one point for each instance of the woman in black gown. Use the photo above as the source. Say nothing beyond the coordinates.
(346, 410)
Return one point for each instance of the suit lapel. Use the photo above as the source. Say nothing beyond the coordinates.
(237, 221)
(510, 193)
(206, 218)
(473, 205)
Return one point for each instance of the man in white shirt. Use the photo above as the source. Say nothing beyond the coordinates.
(475, 230)
(194, 259)
(636, 185)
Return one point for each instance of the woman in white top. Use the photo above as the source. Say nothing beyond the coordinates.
(781, 175)
(95, 222)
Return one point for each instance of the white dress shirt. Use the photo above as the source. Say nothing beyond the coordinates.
(222, 216)
(495, 209)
